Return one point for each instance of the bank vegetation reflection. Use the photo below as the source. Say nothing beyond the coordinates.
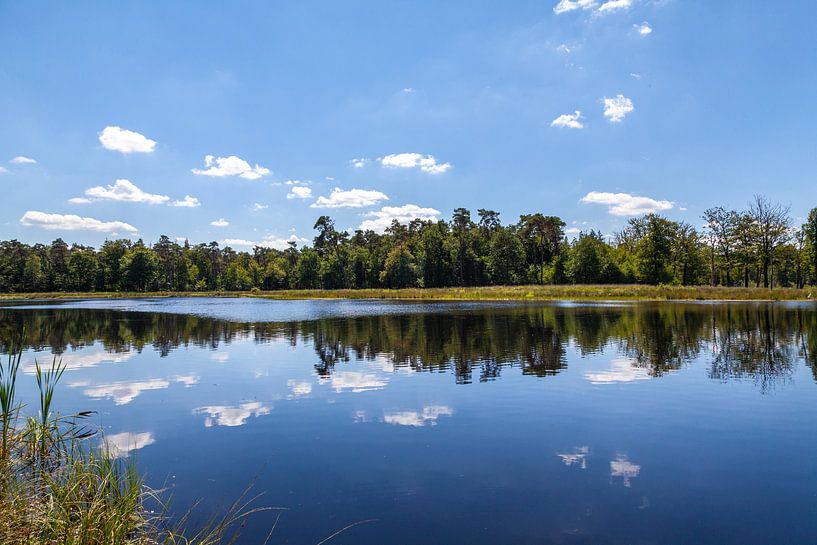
(759, 341)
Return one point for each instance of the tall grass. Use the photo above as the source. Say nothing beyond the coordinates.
(56, 487)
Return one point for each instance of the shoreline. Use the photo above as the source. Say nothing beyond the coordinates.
(619, 292)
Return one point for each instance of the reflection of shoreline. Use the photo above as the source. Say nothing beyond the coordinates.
(761, 341)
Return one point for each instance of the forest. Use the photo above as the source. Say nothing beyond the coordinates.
(759, 246)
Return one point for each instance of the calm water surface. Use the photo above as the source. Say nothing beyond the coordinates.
(456, 423)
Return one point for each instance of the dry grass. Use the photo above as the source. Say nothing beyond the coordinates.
(618, 292)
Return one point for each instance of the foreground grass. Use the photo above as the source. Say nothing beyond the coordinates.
(56, 488)
(616, 292)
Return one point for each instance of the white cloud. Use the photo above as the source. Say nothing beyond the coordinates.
(616, 108)
(621, 370)
(643, 29)
(186, 202)
(125, 191)
(222, 415)
(578, 457)
(426, 163)
(231, 166)
(624, 204)
(564, 48)
(565, 6)
(296, 182)
(269, 241)
(3, 170)
(418, 419)
(359, 162)
(125, 141)
(233, 242)
(635, 76)
(621, 467)
(187, 380)
(79, 200)
(613, 5)
(83, 360)
(382, 219)
(71, 222)
(123, 392)
(22, 160)
(409, 90)
(120, 445)
(356, 382)
(299, 192)
(353, 198)
(256, 207)
(220, 222)
(299, 388)
(571, 121)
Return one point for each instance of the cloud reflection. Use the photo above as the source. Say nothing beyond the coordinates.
(298, 389)
(75, 361)
(122, 392)
(621, 467)
(621, 370)
(578, 457)
(354, 381)
(121, 444)
(224, 415)
(429, 416)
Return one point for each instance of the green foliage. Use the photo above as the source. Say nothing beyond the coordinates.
(735, 249)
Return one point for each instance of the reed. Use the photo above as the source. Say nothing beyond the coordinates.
(57, 487)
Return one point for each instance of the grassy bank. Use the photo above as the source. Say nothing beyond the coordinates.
(59, 486)
(488, 293)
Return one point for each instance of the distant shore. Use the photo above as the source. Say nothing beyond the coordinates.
(487, 293)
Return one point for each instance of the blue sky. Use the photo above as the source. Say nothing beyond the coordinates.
(449, 104)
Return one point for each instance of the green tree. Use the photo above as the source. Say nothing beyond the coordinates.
(506, 259)
(139, 268)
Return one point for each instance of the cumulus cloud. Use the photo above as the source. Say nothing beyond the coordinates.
(120, 445)
(624, 204)
(3, 170)
(622, 467)
(426, 163)
(79, 200)
(571, 121)
(186, 202)
(223, 415)
(125, 191)
(565, 6)
(615, 109)
(356, 382)
(613, 5)
(220, 222)
(71, 222)
(353, 198)
(621, 370)
(577, 457)
(416, 419)
(22, 160)
(125, 141)
(230, 166)
(359, 162)
(382, 219)
(269, 241)
(123, 392)
(299, 192)
(299, 388)
(643, 29)
(257, 207)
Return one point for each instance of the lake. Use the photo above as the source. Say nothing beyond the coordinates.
(563, 423)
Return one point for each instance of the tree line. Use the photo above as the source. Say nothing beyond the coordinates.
(753, 247)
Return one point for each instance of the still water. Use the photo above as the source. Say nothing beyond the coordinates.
(443, 423)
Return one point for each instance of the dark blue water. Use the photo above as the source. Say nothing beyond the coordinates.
(456, 423)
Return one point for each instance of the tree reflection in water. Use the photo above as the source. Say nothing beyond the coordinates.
(754, 340)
